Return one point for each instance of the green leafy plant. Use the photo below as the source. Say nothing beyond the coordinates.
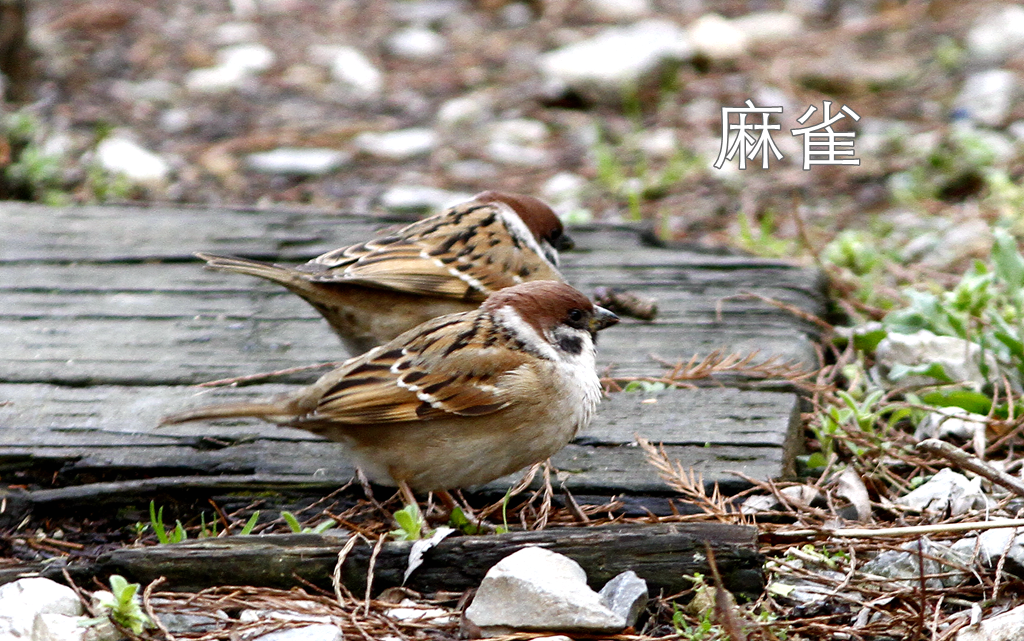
(763, 239)
(122, 606)
(156, 521)
(410, 523)
(625, 172)
(297, 528)
(986, 308)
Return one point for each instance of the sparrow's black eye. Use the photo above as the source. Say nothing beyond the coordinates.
(575, 315)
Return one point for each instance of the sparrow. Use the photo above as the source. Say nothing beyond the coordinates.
(460, 400)
(373, 291)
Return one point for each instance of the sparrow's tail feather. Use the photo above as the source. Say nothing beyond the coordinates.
(290, 278)
(280, 411)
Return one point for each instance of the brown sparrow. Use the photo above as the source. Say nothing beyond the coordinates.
(460, 400)
(450, 262)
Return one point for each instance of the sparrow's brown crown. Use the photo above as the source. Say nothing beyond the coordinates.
(546, 303)
(535, 214)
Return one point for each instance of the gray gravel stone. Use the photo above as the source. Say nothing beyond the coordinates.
(397, 145)
(717, 38)
(416, 43)
(997, 34)
(413, 198)
(290, 161)
(617, 60)
(626, 595)
(987, 96)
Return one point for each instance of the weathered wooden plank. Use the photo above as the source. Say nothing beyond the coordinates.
(660, 554)
(101, 429)
(87, 351)
(119, 290)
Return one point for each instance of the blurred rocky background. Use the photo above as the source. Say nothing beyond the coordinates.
(610, 109)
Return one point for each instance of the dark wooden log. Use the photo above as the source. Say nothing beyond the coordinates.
(660, 554)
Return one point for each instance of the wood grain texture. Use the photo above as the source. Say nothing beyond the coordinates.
(107, 428)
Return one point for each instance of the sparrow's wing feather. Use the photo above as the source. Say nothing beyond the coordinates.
(431, 377)
(467, 252)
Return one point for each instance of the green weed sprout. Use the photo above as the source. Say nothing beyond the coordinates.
(297, 528)
(410, 524)
(156, 520)
(122, 605)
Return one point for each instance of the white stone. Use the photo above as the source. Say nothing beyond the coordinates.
(397, 145)
(126, 157)
(537, 589)
(350, 68)
(950, 421)
(463, 111)
(617, 60)
(233, 33)
(320, 632)
(522, 131)
(57, 627)
(987, 96)
(1016, 129)
(972, 237)
(411, 198)
(416, 43)
(947, 490)
(959, 358)
(996, 35)
(251, 58)
(564, 191)
(175, 121)
(658, 143)
(717, 38)
(154, 90)
(620, 10)
(518, 142)
(471, 169)
(516, 15)
(407, 610)
(293, 161)
(217, 79)
(989, 547)
(22, 600)
(768, 26)
(1006, 626)
(426, 11)
(626, 595)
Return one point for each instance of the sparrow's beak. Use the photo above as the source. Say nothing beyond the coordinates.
(602, 318)
(564, 243)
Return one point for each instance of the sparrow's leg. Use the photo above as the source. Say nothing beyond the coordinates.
(407, 496)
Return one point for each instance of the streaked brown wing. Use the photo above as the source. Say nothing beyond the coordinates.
(466, 253)
(433, 377)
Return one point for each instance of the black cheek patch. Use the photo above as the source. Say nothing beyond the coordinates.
(570, 344)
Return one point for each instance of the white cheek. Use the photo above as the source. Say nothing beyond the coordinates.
(511, 319)
(522, 233)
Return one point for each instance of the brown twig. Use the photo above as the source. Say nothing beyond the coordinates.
(965, 461)
(147, 605)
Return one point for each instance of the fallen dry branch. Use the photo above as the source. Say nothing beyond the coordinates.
(965, 461)
(717, 363)
(660, 553)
